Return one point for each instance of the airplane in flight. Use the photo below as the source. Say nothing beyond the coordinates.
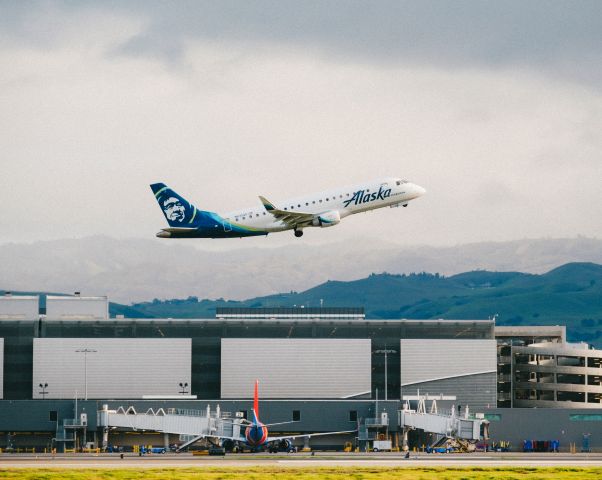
(256, 435)
(324, 209)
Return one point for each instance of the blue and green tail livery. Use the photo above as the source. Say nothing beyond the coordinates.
(186, 221)
(178, 211)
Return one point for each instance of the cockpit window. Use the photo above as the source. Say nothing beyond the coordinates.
(399, 182)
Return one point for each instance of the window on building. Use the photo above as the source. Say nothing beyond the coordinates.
(296, 415)
(570, 361)
(353, 415)
(53, 416)
(243, 413)
(570, 396)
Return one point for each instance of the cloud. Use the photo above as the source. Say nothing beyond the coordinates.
(558, 37)
(505, 150)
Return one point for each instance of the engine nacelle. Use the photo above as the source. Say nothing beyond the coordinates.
(284, 445)
(327, 219)
(228, 445)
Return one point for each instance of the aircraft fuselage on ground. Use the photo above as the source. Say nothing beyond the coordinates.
(256, 436)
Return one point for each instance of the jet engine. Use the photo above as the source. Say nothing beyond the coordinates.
(228, 445)
(284, 445)
(327, 219)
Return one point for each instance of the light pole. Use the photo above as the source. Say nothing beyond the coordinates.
(43, 386)
(85, 351)
(183, 387)
(386, 351)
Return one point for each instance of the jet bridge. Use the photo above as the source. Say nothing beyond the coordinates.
(445, 424)
(191, 425)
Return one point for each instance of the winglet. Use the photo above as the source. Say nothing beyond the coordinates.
(269, 206)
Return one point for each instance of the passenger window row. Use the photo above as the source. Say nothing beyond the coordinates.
(292, 207)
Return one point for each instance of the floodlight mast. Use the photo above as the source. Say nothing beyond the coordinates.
(85, 351)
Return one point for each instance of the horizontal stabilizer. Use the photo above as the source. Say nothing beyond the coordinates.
(179, 229)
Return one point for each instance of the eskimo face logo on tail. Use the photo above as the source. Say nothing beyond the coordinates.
(361, 196)
(174, 209)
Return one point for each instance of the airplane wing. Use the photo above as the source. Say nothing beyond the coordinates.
(291, 218)
(306, 435)
(196, 439)
(245, 423)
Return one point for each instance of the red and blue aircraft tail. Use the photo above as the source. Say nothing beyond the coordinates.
(256, 403)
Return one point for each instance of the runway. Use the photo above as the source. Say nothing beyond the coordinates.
(300, 460)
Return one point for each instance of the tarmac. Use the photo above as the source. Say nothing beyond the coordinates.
(299, 460)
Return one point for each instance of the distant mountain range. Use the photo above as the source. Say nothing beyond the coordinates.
(560, 283)
(568, 295)
(134, 270)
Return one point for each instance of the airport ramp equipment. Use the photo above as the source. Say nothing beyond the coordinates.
(446, 424)
(189, 424)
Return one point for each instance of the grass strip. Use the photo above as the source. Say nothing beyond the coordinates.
(305, 473)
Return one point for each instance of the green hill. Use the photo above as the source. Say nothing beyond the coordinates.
(569, 295)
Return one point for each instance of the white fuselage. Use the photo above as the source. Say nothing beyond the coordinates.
(346, 201)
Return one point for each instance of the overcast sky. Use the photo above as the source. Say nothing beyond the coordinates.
(494, 107)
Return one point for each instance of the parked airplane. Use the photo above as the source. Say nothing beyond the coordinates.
(317, 210)
(256, 436)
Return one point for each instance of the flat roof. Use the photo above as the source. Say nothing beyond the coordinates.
(530, 330)
(19, 297)
(75, 297)
(276, 321)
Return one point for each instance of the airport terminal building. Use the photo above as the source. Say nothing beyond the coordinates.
(326, 368)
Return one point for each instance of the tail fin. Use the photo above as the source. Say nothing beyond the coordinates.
(178, 211)
(256, 401)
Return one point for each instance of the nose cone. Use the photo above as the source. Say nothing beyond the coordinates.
(419, 190)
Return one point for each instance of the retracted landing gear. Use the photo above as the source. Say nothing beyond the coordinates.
(298, 233)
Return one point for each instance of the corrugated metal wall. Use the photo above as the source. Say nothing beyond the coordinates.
(424, 360)
(479, 392)
(464, 368)
(19, 307)
(295, 368)
(120, 368)
(65, 308)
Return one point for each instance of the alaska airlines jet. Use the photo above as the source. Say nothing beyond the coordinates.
(324, 209)
(256, 436)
